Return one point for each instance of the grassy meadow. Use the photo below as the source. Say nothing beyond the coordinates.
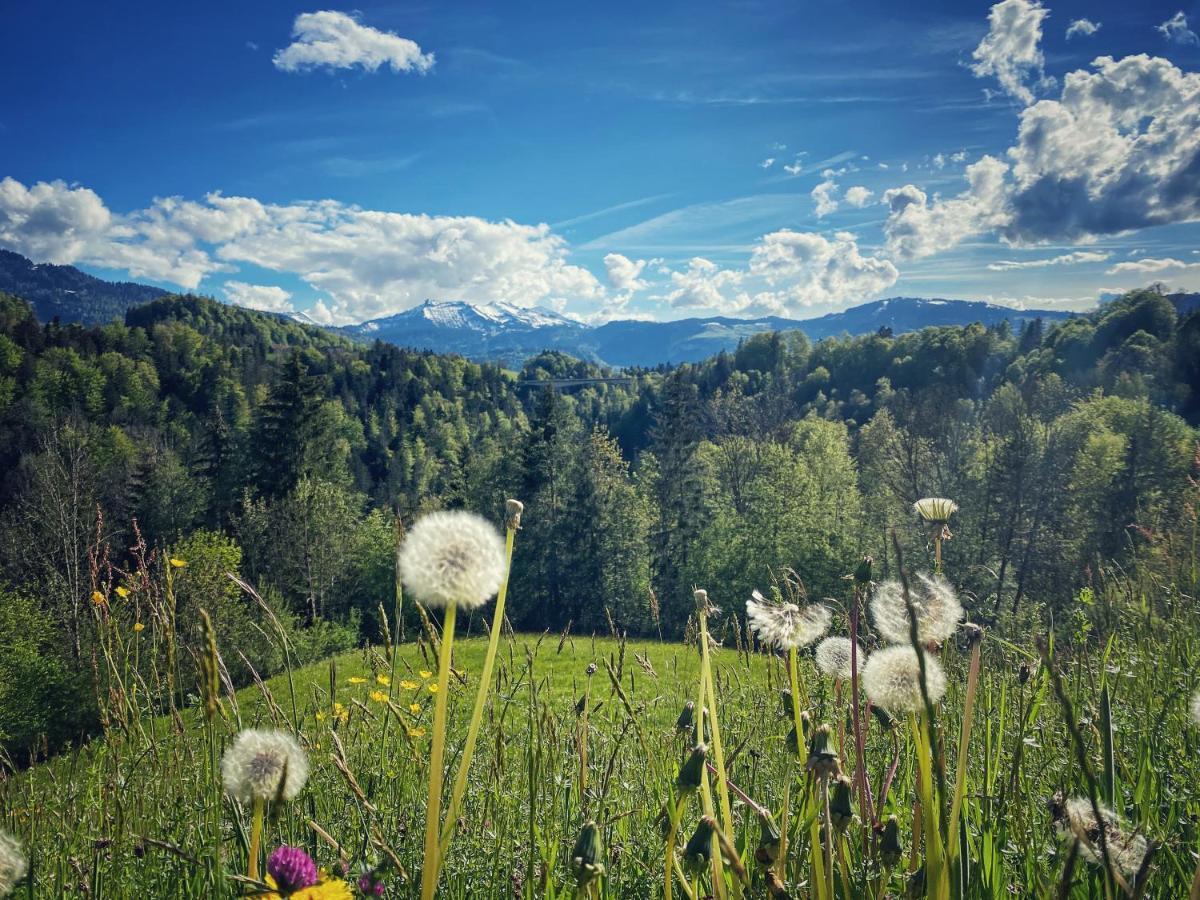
(584, 729)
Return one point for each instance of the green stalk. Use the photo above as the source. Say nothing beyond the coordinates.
(481, 697)
(669, 860)
(429, 872)
(255, 838)
(722, 778)
(935, 874)
(960, 782)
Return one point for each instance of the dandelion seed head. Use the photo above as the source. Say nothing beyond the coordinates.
(13, 864)
(1195, 707)
(259, 762)
(833, 658)
(892, 679)
(1075, 820)
(786, 625)
(936, 606)
(935, 509)
(453, 558)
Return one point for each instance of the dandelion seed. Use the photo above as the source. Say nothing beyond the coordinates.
(936, 606)
(263, 764)
(453, 558)
(935, 510)
(1074, 819)
(425, 673)
(409, 685)
(13, 864)
(383, 679)
(892, 679)
(139, 627)
(786, 625)
(178, 563)
(379, 696)
(833, 658)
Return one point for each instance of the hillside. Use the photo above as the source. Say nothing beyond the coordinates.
(69, 295)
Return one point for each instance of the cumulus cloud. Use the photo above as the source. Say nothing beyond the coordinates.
(1149, 265)
(803, 269)
(1176, 29)
(1118, 151)
(1010, 51)
(1085, 27)
(368, 262)
(1065, 259)
(265, 297)
(334, 40)
(704, 284)
(823, 197)
(624, 274)
(858, 196)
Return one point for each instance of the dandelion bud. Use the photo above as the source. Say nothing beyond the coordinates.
(292, 869)
(841, 811)
(1024, 673)
(972, 634)
(862, 575)
(821, 760)
(769, 840)
(890, 849)
(883, 717)
(698, 852)
(453, 558)
(13, 864)
(785, 697)
(687, 718)
(264, 765)
(691, 772)
(512, 513)
(792, 743)
(914, 888)
(587, 859)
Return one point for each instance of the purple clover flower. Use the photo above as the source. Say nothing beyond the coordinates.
(292, 869)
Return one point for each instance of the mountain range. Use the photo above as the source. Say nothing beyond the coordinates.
(510, 334)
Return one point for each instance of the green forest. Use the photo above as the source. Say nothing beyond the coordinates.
(239, 442)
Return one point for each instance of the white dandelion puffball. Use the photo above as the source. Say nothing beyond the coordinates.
(935, 509)
(13, 864)
(453, 558)
(892, 679)
(259, 762)
(1077, 821)
(833, 658)
(934, 602)
(786, 625)
(1196, 707)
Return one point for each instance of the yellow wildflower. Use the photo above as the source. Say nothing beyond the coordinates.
(321, 715)
(178, 563)
(98, 599)
(425, 673)
(341, 713)
(433, 688)
(379, 696)
(354, 679)
(139, 627)
(326, 889)
(416, 732)
(409, 685)
(122, 592)
(383, 679)
(414, 708)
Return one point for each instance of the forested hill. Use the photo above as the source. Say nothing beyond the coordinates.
(66, 293)
(240, 441)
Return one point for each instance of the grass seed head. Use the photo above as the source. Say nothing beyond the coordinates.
(892, 679)
(264, 765)
(453, 557)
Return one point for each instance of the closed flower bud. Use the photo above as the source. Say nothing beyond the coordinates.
(691, 772)
(769, 840)
(883, 717)
(862, 575)
(512, 513)
(822, 761)
(792, 743)
(587, 859)
(915, 887)
(687, 718)
(785, 699)
(698, 852)
(841, 811)
(890, 849)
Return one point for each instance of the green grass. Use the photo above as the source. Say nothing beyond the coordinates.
(139, 814)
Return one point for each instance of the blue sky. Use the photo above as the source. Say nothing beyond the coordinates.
(654, 160)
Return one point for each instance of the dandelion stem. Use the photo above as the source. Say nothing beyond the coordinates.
(429, 873)
(960, 782)
(481, 696)
(722, 778)
(256, 824)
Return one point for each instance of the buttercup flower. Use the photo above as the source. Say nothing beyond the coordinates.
(892, 679)
(786, 625)
(13, 864)
(833, 658)
(936, 606)
(383, 679)
(409, 685)
(379, 696)
(259, 762)
(425, 673)
(453, 558)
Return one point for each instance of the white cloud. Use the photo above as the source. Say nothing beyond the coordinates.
(939, 161)
(859, 196)
(1176, 29)
(624, 274)
(1085, 27)
(1151, 265)
(1065, 259)
(767, 163)
(265, 297)
(803, 269)
(823, 197)
(1117, 152)
(368, 262)
(1010, 50)
(334, 40)
(704, 284)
